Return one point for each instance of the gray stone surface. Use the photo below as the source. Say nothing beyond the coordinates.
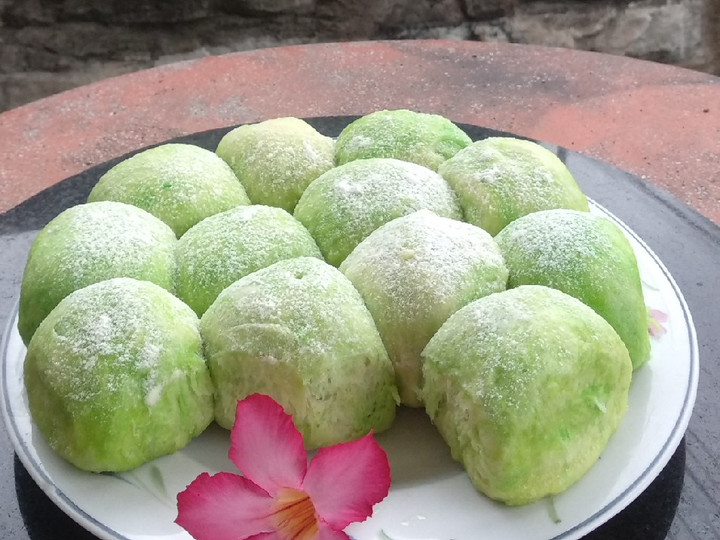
(48, 46)
(669, 32)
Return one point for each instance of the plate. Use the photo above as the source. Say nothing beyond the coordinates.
(431, 497)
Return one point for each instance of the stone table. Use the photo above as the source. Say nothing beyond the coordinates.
(659, 123)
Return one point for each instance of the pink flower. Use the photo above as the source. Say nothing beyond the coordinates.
(280, 496)
(656, 319)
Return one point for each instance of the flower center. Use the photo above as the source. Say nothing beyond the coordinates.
(295, 516)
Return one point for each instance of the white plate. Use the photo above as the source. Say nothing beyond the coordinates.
(431, 497)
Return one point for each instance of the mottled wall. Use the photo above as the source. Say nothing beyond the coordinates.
(51, 45)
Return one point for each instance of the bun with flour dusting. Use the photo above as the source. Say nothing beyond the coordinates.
(115, 376)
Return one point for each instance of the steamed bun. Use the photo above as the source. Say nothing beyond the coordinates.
(115, 376)
(526, 386)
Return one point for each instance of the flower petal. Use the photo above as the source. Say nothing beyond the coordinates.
(266, 445)
(346, 480)
(268, 536)
(656, 318)
(656, 329)
(658, 315)
(224, 507)
(328, 533)
(325, 533)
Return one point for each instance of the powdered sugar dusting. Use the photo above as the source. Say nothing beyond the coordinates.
(358, 143)
(425, 263)
(90, 243)
(496, 347)
(104, 237)
(413, 273)
(557, 244)
(586, 256)
(276, 159)
(107, 338)
(304, 295)
(347, 203)
(228, 246)
(499, 179)
(299, 331)
(426, 139)
(178, 183)
(520, 171)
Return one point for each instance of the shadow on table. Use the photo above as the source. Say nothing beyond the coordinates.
(648, 518)
(42, 518)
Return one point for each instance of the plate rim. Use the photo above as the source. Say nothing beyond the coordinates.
(677, 433)
(35, 469)
(604, 514)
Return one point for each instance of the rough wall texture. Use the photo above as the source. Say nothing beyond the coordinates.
(51, 45)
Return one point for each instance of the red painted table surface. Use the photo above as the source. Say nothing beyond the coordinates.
(659, 122)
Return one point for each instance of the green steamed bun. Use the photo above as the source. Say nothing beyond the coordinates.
(585, 256)
(227, 246)
(299, 332)
(425, 139)
(115, 376)
(347, 203)
(500, 179)
(526, 386)
(90, 243)
(179, 184)
(277, 159)
(413, 273)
